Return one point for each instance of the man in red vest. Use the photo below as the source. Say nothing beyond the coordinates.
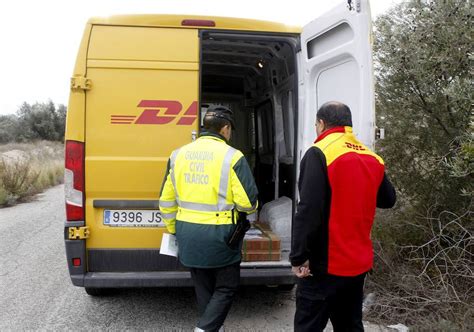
(341, 183)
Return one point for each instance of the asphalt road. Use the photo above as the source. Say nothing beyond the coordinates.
(36, 292)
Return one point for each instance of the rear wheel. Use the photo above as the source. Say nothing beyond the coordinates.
(98, 291)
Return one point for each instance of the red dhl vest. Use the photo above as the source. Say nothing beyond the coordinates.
(355, 174)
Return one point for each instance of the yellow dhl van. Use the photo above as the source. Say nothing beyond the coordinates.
(140, 86)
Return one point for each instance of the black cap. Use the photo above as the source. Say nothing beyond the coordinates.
(222, 112)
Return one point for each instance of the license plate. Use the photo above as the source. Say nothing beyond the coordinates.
(133, 218)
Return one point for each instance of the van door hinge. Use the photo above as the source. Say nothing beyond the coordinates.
(79, 233)
(80, 83)
(379, 133)
(351, 6)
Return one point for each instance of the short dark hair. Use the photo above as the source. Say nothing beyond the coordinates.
(335, 114)
(213, 124)
(217, 117)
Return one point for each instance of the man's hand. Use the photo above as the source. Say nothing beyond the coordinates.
(302, 271)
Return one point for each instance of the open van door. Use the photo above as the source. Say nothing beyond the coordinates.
(336, 63)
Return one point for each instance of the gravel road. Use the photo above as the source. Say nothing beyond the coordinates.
(36, 293)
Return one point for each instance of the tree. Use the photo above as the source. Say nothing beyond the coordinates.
(41, 121)
(8, 128)
(422, 54)
(423, 95)
(60, 124)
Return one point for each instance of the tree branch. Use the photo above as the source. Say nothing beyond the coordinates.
(427, 109)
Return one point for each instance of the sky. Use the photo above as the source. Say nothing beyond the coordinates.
(39, 39)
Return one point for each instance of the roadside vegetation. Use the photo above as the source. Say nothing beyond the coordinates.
(31, 151)
(423, 275)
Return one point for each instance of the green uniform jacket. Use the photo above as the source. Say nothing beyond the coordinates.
(207, 180)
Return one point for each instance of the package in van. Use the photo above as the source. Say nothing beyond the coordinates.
(277, 214)
(260, 244)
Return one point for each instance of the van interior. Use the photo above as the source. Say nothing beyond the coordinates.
(255, 75)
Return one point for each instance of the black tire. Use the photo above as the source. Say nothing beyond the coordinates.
(98, 291)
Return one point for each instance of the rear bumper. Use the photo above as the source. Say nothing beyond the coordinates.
(257, 276)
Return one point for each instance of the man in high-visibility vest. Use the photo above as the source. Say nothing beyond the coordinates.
(341, 182)
(208, 182)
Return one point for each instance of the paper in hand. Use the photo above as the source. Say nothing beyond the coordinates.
(169, 245)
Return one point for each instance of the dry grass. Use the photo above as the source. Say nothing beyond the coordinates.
(427, 285)
(29, 168)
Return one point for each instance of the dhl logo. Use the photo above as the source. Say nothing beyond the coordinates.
(354, 146)
(159, 112)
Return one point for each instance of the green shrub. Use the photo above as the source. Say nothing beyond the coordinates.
(3, 197)
(30, 169)
(18, 177)
(51, 174)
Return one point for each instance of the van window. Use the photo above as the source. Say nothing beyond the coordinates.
(329, 40)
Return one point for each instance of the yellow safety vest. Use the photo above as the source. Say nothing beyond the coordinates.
(201, 186)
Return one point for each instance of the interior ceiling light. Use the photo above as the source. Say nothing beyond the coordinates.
(260, 64)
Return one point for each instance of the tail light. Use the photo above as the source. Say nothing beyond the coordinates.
(74, 180)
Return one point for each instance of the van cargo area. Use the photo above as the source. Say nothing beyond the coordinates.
(254, 74)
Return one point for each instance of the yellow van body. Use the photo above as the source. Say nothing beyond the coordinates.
(136, 95)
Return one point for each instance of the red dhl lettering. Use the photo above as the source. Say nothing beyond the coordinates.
(159, 112)
(354, 146)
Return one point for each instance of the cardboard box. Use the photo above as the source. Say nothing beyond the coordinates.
(260, 256)
(261, 244)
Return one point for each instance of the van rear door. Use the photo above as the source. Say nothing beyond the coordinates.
(142, 104)
(336, 63)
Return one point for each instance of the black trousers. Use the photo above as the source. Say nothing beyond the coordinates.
(325, 297)
(215, 291)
